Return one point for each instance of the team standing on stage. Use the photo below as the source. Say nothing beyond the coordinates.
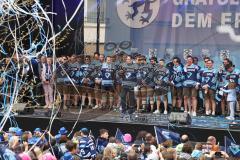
(131, 85)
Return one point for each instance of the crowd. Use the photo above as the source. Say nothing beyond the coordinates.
(132, 84)
(41, 145)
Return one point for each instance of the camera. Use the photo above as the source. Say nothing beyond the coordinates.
(218, 155)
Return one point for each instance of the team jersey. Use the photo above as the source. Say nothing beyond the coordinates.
(130, 75)
(233, 76)
(177, 76)
(161, 76)
(191, 75)
(74, 72)
(61, 73)
(222, 75)
(107, 74)
(145, 74)
(88, 71)
(117, 65)
(86, 148)
(209, 77)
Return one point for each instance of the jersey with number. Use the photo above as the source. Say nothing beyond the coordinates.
(61, 73)
(209, 77)
(191, 75)
(107, 75)
(161, 76)
(145, 74)
(222, 75)
(233, 76)
(177, 76)
(86, 148)
(74, 72)
(130, 75)
(88, 71)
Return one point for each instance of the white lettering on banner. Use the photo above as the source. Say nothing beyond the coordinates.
(222, 2)
(226, 18)
(176, 20)
(205, 2)
(190, 18)
(201, 20)
(237, 20)
(204, 21)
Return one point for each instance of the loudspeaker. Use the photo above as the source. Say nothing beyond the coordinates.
(22, 109)
(181, 118)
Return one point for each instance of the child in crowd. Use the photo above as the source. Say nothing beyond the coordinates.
(231, 99)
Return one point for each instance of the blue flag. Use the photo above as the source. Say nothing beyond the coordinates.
(231, 147)
(164, 134)
(119, 135)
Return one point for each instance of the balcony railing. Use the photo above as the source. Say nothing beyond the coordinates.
(92, 17)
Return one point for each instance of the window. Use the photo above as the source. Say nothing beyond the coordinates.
(91, 11)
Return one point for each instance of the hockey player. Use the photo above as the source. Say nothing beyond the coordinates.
(190, 86)
(128, 72)
(106, 79)
(161, 80)
(208, 78)
(176, 80)
(87, 82)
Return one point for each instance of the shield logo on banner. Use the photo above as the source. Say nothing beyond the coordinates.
(137, 13)
(224, 54)
(205, 53)
(186, 53)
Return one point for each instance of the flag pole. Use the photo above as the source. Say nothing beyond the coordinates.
(156, 134)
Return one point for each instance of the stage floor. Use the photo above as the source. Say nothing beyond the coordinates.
(199, 130)
(209, 122)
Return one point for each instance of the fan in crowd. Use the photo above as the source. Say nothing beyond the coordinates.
(17, 144)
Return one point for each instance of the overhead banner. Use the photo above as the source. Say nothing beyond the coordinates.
(168, 28)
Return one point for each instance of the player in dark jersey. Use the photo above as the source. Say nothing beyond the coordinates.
(190, 84)
(176, 81)
(208, 78)
(161, 76)
(107, 77)
(128, 72)
(61, 77)
(87, 82)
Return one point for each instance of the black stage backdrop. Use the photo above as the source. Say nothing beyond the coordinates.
(71, 40)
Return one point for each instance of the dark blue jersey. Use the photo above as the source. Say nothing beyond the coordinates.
(161, 76)
(61, 73)
(86, 148)
(130, 75)
(177, 76)
(88, 72)
(107, 74)
(191, 75)
(209, 77)
(222, 74)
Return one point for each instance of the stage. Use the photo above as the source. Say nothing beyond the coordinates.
(199, 130)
